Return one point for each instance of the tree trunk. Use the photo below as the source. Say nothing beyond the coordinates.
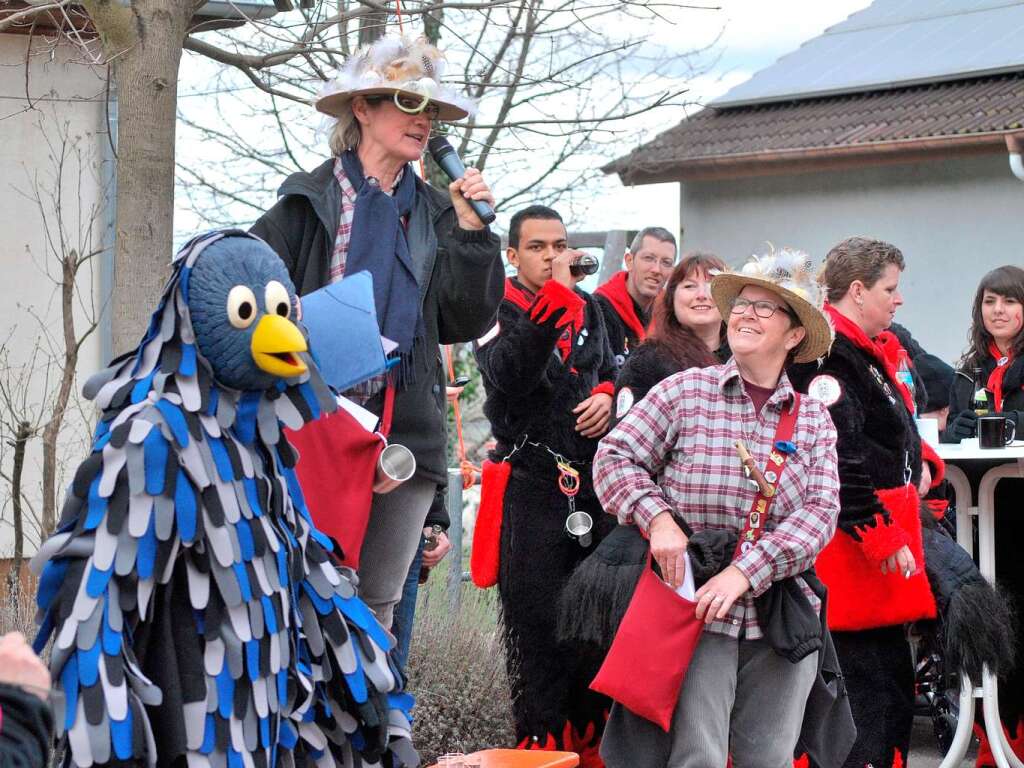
(21, 438)
(144, 42)
(70, 262)
(372, 26)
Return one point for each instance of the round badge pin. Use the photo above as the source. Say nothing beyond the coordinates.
(623, 402)
(825, 388)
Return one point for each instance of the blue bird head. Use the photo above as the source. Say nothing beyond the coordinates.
(241, 300)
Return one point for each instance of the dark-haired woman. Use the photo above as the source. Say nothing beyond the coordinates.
(997, 348)
(686, 332)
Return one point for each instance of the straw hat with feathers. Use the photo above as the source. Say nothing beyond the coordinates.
(395, 66)
(786, 273)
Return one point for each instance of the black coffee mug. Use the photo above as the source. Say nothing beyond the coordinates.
(995, 431)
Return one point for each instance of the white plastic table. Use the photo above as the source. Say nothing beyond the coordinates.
(1011, 465)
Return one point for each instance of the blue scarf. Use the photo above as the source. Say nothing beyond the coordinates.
(378, 245)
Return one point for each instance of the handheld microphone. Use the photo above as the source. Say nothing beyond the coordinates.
(444, 155)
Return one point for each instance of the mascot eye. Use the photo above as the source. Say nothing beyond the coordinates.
(241, 306)
(278, 300)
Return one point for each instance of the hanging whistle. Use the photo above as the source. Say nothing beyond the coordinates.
(750, 470)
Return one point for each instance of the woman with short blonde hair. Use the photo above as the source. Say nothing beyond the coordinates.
(437, 271)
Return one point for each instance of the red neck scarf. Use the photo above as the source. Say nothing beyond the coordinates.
(615, 291)
(995, 379)
(884, 349)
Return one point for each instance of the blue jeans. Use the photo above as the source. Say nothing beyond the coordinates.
(405, 611)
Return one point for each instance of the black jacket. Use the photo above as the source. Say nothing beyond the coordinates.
(877, 439)
(27, 731)
(621, 337)
(459, 296)
(530, 390)
(961, 393)
(650, 363)
(438, 512)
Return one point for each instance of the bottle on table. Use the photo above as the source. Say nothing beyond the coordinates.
(979, 403)
(906, 376)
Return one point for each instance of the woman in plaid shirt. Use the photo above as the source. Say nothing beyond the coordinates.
(674, 454)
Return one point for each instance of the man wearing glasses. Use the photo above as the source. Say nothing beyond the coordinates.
(627, 298)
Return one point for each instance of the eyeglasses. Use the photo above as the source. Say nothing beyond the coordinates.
(410, 104)
(763, 309)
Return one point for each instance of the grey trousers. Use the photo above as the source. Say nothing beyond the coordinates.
(392, 536)
(739, 698)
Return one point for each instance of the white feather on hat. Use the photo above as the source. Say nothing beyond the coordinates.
(395, 66)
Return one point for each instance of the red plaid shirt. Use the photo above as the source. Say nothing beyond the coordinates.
(674, 452)
(344, 233)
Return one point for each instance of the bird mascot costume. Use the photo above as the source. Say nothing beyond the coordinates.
(197, 615)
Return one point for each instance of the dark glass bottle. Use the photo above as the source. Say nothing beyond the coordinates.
(979, 403)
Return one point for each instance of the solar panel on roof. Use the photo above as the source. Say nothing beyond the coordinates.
(894, 43)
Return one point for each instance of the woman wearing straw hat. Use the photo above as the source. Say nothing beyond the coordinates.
(674, 454)
(438, 276)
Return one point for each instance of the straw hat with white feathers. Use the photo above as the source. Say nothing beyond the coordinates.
(787, 273)
(395, 66)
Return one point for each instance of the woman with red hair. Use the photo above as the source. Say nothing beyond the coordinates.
(686, 331)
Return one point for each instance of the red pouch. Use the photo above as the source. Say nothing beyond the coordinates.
(336, 469)
(860, 597)
(485, 555)
(659, 629)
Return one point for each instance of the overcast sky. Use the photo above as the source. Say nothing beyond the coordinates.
(753, 35)
(740, 38)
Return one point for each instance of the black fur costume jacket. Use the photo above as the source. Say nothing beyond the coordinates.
(879, 468)
(650, 363)
(550, 353)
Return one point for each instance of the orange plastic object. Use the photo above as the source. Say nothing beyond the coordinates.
(522, 758)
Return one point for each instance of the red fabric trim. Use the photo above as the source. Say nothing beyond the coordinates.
(517, 295)
(995, 379)
(484, 555)
(552, 297)
(929, 455)
(617, 293)
(880, 541)
(937, 507)
(885, 349)
(860, 597)
(585, 744)
(604, 388)
(985, 758)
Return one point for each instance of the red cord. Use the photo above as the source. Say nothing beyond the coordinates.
(469, 470)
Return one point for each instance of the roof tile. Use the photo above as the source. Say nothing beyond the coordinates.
(936, 110)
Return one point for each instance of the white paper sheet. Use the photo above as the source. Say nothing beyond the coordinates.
(687, 589)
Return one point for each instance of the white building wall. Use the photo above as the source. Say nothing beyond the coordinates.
(954, 220)
(66, 98)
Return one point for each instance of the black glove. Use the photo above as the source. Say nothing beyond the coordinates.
(965, 425)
